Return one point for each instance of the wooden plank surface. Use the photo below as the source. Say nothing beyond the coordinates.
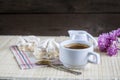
(59, 6)
(57, 24)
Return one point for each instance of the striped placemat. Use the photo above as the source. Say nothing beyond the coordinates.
(26, 60)
(23, 59)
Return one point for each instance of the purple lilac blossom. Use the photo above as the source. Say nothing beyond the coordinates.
(113, 35)
(112, 50)
(108, 42)
(103, 41)
(118, 32)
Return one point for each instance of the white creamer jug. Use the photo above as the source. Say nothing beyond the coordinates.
(81, 35)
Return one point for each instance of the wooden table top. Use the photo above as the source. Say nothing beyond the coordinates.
(109, 67)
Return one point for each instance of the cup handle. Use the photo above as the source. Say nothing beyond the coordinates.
(95, 56)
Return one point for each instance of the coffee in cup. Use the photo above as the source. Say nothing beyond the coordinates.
(76, 46)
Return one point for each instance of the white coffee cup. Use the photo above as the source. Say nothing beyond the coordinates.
(77, 58)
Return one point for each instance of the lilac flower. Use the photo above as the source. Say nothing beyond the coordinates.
(108, 42)
(112, 50)
(103, 41)
(113, 35)
(118, 32)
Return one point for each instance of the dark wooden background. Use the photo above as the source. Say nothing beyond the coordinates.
(55, 17)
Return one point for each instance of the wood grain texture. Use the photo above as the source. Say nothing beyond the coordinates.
(57, 24)
(59, 6)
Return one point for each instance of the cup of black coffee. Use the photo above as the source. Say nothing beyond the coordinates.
(75, 54)
(76, 46)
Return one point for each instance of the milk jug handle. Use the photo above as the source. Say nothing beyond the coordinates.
(94, 40)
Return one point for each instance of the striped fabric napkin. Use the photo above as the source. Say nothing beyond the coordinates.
(25, 61)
